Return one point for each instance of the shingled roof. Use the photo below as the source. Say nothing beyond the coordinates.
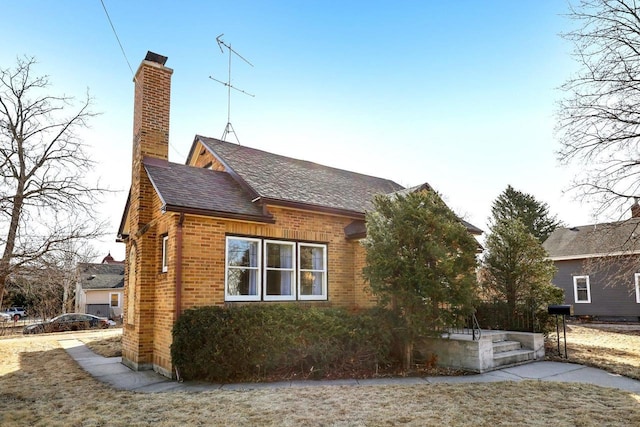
(254, 178)
(275, 178)
(594, 240)
(199, 190)
(101, 276)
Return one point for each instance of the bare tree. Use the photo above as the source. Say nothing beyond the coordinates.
(599, 118)
(45, 200)
(49, 285)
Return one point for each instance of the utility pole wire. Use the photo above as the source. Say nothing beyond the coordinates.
(117, 38)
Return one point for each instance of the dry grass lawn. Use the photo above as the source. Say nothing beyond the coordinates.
(106, 347)
(614, 348)
(40, 385)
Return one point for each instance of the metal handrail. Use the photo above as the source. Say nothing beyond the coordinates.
(476, 332)
(470, 327)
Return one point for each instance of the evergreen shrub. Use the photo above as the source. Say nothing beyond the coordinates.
(279, 341)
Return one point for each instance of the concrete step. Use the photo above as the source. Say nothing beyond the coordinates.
(498, 337)
(512, 357)
(502, 346)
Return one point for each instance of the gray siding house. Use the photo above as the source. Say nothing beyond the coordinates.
(599, 267)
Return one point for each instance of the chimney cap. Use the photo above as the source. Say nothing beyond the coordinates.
(154, 57)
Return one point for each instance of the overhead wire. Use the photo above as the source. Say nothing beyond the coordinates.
(115, 33)
(117, 38)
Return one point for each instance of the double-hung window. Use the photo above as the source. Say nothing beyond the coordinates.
(581, 289)
(312, 271)
(243, 269)
(274, 270)
(114, 299)
(279, 270)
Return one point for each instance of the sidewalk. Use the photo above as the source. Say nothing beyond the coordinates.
(113, 372)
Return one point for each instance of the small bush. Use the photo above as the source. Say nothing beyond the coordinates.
(258, 342)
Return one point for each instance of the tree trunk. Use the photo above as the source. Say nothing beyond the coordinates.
(5, 262)
(408, 355)
(408, 343)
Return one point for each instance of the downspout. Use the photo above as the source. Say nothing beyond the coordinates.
(179, 267)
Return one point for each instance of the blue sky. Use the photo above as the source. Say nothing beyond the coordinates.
(459, 94)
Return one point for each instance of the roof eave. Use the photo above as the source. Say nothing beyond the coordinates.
(219, 214)
(589, 256)
(312, 207)
(121, 231)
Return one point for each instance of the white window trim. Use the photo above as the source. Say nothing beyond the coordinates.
(637, 279)
(111, 294)
(165, 254)
(294, 288)
(229, 297)
(575, 289)
(323, 296)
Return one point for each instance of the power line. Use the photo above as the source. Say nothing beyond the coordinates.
(127, 59)
(117, 38)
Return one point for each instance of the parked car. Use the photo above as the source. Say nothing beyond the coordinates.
(68, 322)
(16, 312)
(4, 317)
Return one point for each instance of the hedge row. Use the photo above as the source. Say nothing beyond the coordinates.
(258, 342)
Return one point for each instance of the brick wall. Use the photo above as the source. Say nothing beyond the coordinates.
(203, 268)
(150, 139)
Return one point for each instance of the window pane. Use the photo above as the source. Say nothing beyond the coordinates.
(582, 295)
(242, 253)
(279, 255)
(279, 282)
(165, 261)
(311, 258)
(242, 281)
(581, 283)
(311, 283)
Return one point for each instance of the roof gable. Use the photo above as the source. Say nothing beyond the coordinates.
(594, 240)
(277, 178)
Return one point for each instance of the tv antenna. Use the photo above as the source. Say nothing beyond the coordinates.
(229, 127)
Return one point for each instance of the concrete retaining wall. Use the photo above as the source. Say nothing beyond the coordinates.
(461, 352)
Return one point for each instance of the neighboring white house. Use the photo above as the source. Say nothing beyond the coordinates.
(100, 288)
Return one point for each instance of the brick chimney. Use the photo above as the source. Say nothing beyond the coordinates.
(635, 209)
(150, 131)
(150, 140)
(151, 108)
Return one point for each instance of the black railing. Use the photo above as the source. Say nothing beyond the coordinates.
(500, 315)
(467, 326)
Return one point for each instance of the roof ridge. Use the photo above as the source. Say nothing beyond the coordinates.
(628, 220)
(296, 159)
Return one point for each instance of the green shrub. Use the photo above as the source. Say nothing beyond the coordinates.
(280, 341)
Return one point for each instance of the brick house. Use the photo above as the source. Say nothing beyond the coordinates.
(232, 225)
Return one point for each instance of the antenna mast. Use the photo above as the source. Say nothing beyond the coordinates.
(229, 127)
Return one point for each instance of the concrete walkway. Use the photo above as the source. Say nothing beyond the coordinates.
(110, 370)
